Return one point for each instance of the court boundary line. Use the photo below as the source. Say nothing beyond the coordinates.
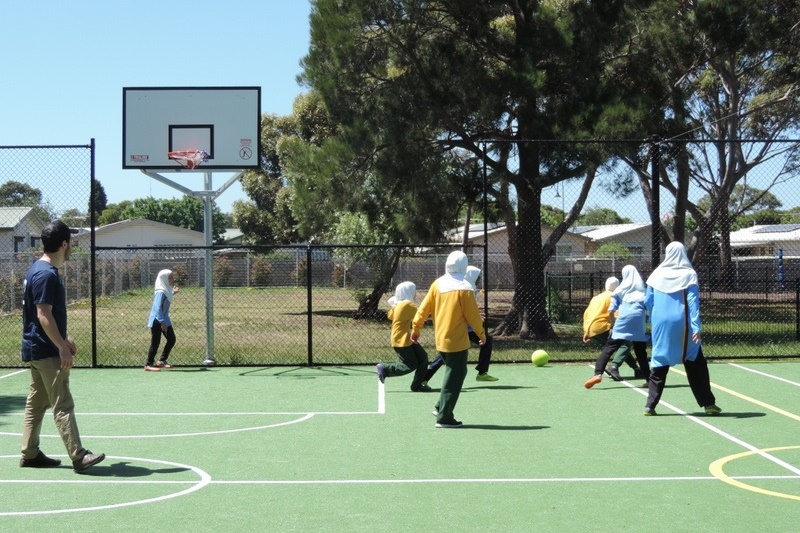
(718, 431)
(754, 371)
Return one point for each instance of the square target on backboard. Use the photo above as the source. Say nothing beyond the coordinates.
(222, 122)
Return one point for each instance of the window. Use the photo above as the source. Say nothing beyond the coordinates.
(36, 242)
(19, 244)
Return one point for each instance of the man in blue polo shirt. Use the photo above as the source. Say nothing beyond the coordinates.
(50, 352)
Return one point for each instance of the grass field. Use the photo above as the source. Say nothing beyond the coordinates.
(271, 327)
(330, 449)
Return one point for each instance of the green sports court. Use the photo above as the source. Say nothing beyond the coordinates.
(332, 449)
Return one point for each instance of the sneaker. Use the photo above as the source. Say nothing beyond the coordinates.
(422, 388)
(40, 461)
(712, 409)
(485, 377)
(592, 381)
(649, 411)
(451, 424)
(148, 368)
(163, 364)
(209, 362)
(435, 411)
(645, 385)
(381, 372)
(424, 384)
(613, 371)
(89, 459)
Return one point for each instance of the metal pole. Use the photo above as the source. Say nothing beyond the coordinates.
(92, 255)
(209, 271)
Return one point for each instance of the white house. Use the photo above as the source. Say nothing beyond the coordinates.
(570, 245)
(635, 237)
(766, 240)
(141, 232)
(20, 230)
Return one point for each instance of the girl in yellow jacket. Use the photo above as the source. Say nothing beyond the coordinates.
(451, 301)
(412, 356)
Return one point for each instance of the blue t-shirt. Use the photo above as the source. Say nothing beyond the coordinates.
(42, 285)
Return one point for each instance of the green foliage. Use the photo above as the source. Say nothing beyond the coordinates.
(222, 271)
(185, 212)
(98, 201)
(614, 250)
(180, 273)
(260, 271)
(601, 216)
(17, 194)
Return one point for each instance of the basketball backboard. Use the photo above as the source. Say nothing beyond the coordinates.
(225, 122)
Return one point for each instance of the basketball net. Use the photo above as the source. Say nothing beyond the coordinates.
(189, 158)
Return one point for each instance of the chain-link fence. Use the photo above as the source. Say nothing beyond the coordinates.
(294, 305)
(38, 184)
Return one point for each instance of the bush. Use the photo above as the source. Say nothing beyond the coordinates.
(222, 271)
(260, 271)
(180, 273)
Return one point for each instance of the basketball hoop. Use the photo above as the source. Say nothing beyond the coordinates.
(190, 159)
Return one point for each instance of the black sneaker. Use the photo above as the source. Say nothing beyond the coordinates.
(40, 461)
(89, 459)
(613, 371)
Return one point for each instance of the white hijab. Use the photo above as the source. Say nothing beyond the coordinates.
(456, 268)
(162, 283)
(471, 277)
(405, 291)
(632, 288)
(675, 273)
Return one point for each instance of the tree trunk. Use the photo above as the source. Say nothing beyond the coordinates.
(528, 313)
(368, 308)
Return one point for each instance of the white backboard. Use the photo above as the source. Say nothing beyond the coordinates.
(223, 121)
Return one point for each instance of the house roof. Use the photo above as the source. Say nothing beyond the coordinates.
(765, 234)
(607, 231)
(10, 217)
(476, 231)
(231, 234)
(139, 222)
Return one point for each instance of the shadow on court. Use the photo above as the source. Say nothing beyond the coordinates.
(127, 470)
(495, 427)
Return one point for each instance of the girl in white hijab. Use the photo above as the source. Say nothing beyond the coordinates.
(672, 300)
(159, 321)
(413, 357)
(627, 301)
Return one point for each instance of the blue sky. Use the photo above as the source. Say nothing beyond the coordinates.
(65, 64)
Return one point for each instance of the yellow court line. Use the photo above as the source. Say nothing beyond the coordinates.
(716, 470)
(749, 399)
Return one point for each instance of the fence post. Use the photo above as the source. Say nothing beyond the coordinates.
(308, 306)
(797, 309)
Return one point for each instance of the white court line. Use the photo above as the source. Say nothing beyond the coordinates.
(203, 479)
(13, 374)
(122, 481)
(718, 431)
(381, 398)
(796, 384)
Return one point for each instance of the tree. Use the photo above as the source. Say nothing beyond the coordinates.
(480, 78)
(728, 72)
(185, 212)
(601, 216)
(114, 213)
(98, 201)
(17, 194)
